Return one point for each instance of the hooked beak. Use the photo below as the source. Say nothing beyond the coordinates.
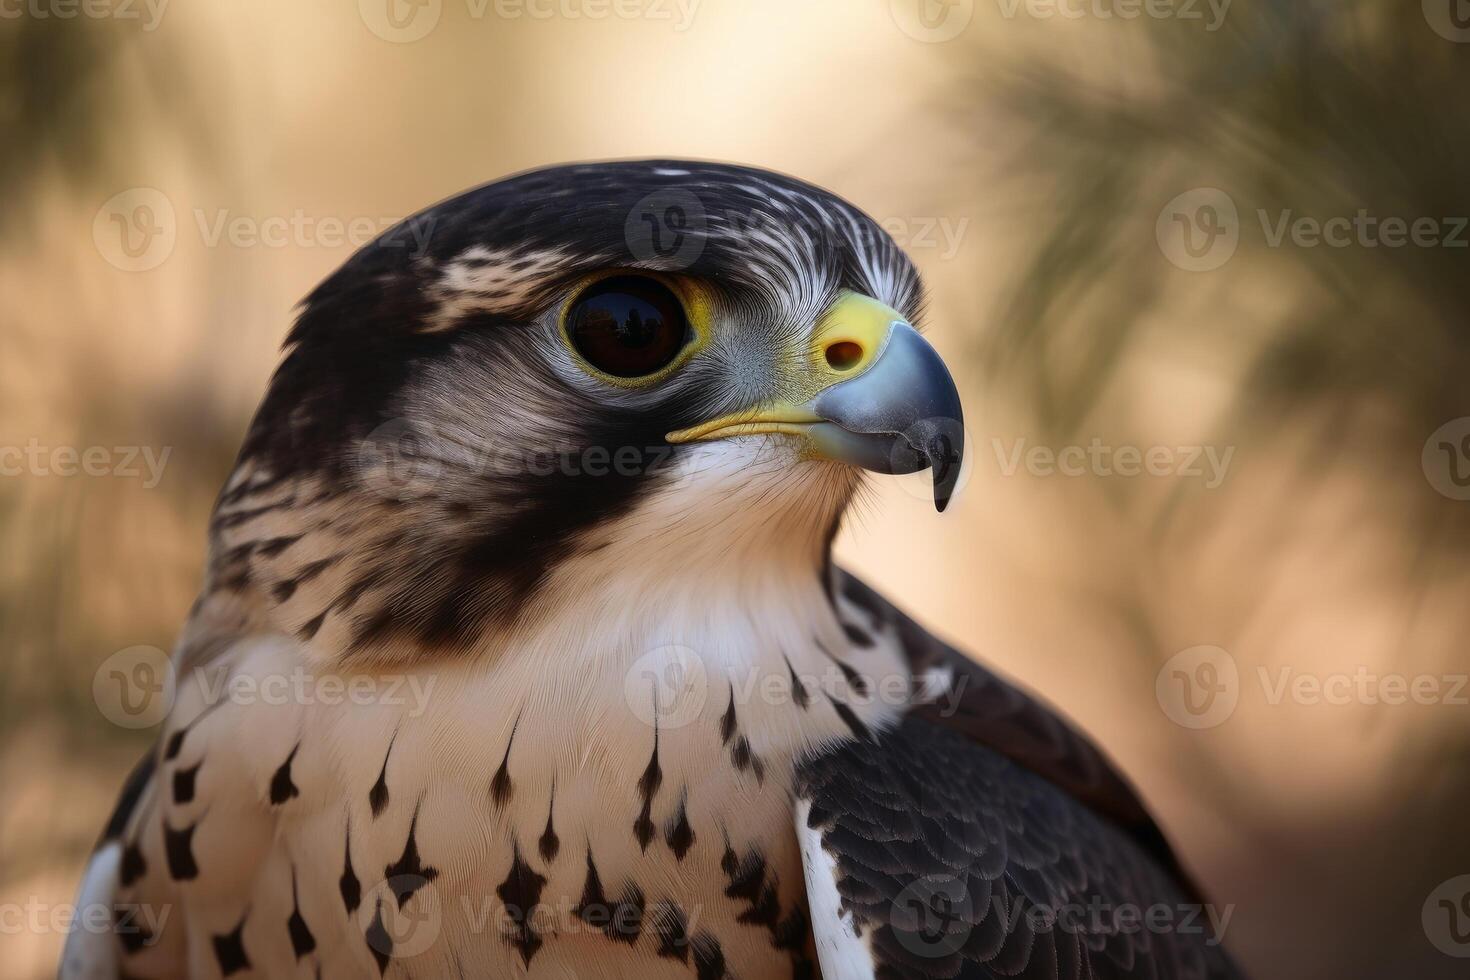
(884, 400)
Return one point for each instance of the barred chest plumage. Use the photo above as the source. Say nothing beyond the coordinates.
(609, 794)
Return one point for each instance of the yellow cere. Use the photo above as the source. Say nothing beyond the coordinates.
(856, 320)
(846, 340)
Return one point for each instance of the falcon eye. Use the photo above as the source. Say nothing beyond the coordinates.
(628, 326)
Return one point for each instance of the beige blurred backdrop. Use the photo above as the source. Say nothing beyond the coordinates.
(1300, 531)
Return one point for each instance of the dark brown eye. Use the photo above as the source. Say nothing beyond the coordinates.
(628, 326)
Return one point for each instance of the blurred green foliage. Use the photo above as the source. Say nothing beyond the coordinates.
(1319, 108)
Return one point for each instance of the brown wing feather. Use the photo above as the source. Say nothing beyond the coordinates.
(999, 715)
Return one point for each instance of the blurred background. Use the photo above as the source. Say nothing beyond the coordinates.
(1199, 267)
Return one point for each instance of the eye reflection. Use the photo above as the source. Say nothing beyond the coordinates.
(628, 326)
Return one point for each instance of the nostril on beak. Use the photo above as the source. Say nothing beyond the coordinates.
(844, 355)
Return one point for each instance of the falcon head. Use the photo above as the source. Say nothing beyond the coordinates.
(684, 356)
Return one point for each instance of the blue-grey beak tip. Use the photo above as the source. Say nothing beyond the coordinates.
(900, 416)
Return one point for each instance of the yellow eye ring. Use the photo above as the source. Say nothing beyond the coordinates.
(606, 340)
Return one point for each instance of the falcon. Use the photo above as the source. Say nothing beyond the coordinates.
(521, 651)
